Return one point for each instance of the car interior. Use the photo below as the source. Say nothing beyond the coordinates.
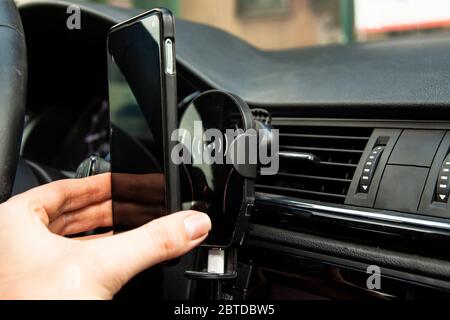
(373, 117)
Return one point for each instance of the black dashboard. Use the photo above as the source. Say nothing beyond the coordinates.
(376, 115)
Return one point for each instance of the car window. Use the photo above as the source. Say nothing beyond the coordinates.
(284, 24)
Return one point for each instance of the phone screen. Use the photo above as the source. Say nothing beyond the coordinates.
(137, 135)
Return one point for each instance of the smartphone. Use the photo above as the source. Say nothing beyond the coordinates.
(143, 114)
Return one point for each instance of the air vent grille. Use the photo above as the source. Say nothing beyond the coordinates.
(339, 150)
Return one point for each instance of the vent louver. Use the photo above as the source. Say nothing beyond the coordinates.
(339, 150)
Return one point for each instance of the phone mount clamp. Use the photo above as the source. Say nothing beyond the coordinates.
(219, 139)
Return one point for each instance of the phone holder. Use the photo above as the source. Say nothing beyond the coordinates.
(218, 150)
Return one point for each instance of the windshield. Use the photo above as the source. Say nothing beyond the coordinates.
(284, 24)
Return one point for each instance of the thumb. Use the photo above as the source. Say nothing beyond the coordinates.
(123, 256)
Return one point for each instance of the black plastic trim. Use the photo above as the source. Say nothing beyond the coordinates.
(416, 269)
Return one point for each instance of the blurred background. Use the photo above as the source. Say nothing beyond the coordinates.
(283, 24)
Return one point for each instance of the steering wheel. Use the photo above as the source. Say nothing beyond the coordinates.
(13, 82)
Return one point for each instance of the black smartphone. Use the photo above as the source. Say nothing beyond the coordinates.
(143, 114)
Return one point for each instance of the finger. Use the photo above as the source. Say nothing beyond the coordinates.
(124, 255)
(82, 220)
(69, 195)
(95, 236)
(143, 188)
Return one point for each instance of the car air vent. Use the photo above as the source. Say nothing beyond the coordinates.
(327, 174)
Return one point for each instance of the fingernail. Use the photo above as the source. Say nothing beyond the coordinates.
(197, 225)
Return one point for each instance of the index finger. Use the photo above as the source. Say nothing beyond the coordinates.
(70, 194)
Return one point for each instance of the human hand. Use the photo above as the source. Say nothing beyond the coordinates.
(38, 262)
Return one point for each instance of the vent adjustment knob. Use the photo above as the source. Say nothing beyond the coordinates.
(369, 168)
(443, 183)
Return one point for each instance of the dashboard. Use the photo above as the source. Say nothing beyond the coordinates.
(375, 115)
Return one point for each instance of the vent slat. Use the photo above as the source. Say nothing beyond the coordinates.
(318, 136)
(305, 176)
(320, 149)
(339, 164)
(339, 150)
(318, 193)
